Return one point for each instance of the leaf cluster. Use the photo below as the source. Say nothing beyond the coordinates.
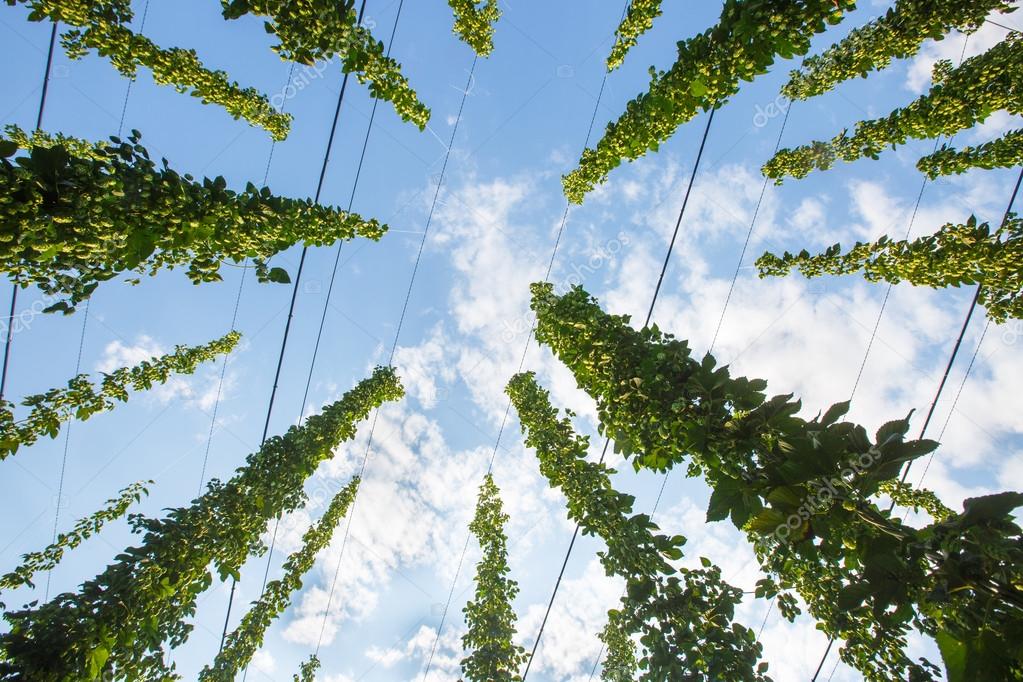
(749, 36)
(898, 34)
(493, 656)
(638, 20)
(805, 492)
(116, 623)
(960, 98)
(319, 30)
(955, 255)
(684, 617)
(246, 639)
(102, 26)
(70, 220)
(46, 559)
(82, 399)
(474, 23)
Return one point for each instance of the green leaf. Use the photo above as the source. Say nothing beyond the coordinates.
(834, 413)
(7, 148)
(278, 275)
(953, 653)
(989, 507)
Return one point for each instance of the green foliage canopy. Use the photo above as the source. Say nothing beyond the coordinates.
(743, 45)
(46, 559)
(474, 23)
(898, 34)
(1003, 152)
(805, 492)
(638, 20)
(70, 220)
(960, 98)
(117, 623)
(82, 399)
(685, 617)
(245, 640)
(102, 25)
(314, 30)
(955, 255)
(493, 657)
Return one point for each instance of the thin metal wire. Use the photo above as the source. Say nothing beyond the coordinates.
(522, 360)
(287, 324)
(649, 316)
(749, 233)
(9, 336)
(394, 346)
(944, 377)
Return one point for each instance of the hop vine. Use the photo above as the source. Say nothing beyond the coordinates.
(48, 558)
(955, 255)
(961, 98)
(1004, 152)
(117, 623)
(805, 492)
(82, 399)
(638, 20)
(241, 644)
(474, 23)
(102, 26)
(685, 617)
(896, 35)
(71, 220)
(749, 36)
(319, 30)
(493, 656)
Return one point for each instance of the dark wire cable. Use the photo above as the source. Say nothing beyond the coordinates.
(85, 313)
(394, 346)
(330, 289)
(649, 316)
(291, 315)
(14, 291)
(749, 233)
(909, 230)
(944, 378)
(67, 444)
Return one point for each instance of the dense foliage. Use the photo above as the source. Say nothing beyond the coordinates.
(960, 98)
(897, 34)
(620, 664)
(638, 20)
(685, 617)
(709, 68)
(493, 657)
(82, 399)
(102, 25)
(1003, 152)
(313, 30)
(805, 492)
(474, 24)
(117, 623)
(46, 559)
(70, 221)
(245, 640)
(955, 255)
(307, 671)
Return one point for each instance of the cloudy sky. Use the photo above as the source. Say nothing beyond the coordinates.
(499, 210)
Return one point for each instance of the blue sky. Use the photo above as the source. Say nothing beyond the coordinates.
(523, 125)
